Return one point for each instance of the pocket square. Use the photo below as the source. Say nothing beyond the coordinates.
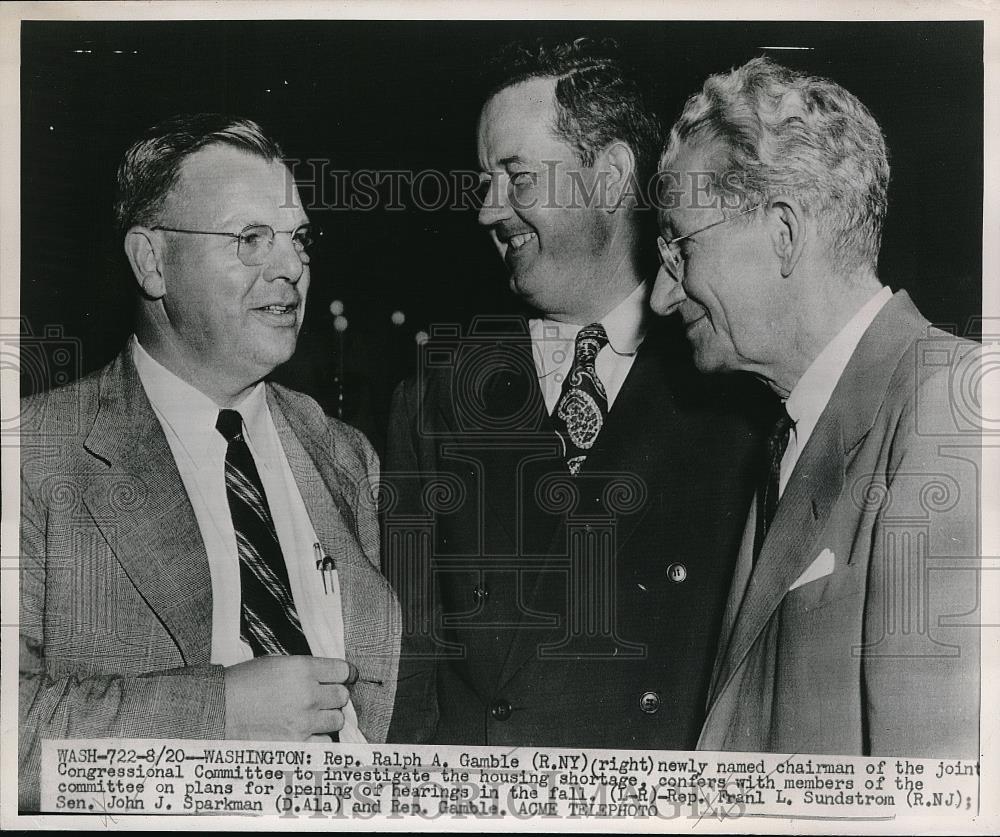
(820, 568)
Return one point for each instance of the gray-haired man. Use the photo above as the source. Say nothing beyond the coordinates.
(851, 623)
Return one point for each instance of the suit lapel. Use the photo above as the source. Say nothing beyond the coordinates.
(801, 516)
(503, 419)
(507, 431)
(737, 590)
(818, 477)
(333, 497)
(626, 445)
(139, 504)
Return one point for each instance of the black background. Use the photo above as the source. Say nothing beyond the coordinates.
(405, 96)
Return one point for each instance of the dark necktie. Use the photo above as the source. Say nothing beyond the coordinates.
(269, 623)
(583, 405)
(767, 491)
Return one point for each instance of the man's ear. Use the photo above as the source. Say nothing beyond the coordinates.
(144, 250)
(788, 232)
(619, 165)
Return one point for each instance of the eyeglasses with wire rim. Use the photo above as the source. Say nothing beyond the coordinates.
(670, 253)
(255, 241)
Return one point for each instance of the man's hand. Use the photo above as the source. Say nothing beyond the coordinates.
(286, 698)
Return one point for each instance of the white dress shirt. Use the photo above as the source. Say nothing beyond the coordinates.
(554, 344)
(812, 391)
(188, 419)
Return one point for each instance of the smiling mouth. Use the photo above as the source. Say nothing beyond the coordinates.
(279, 314)
(516, 242)
(513, 247)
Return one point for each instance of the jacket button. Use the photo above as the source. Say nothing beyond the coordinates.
(501, 710)
(649, 702)
(480, 594)
(677, 573)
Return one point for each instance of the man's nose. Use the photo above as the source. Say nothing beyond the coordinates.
(495, 205)
(668, 293)
(284, 260)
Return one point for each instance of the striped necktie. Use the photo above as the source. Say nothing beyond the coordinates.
(583, 404)
(269, 623)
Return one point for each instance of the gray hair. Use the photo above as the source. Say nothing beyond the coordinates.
(151, 166)
(776, 131)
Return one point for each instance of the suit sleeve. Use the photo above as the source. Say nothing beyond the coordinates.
(414, 718)
(920, 661)
(176, 703)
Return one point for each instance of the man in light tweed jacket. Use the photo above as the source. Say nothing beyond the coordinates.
(199, 548)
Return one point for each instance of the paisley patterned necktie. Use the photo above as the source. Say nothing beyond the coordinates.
(583, 405)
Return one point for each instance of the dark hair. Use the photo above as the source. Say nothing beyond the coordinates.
(150, 167)
(598, 96)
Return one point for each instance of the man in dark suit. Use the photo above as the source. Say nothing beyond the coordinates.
(177, 511)
(564, 496)
(851, 625)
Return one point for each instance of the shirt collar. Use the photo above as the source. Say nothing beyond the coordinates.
(812, 391)
(256, 419)
(191, 415)
(625, 325)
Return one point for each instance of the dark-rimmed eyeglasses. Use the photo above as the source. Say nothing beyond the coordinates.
(254, 242)
(670, 253)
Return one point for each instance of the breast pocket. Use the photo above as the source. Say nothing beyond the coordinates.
(843, 583)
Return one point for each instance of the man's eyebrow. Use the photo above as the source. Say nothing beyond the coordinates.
(503, 163)
(240, 218)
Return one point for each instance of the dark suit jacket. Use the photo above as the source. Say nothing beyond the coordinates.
(881, 655)
(562, 611)
(116, 599)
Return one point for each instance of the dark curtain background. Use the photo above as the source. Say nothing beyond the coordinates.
(404, 96)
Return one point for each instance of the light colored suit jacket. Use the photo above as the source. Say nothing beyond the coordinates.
(115, 593)
(857, 632)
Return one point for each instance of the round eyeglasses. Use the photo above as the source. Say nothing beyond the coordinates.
(254, 242)
(670, 253)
